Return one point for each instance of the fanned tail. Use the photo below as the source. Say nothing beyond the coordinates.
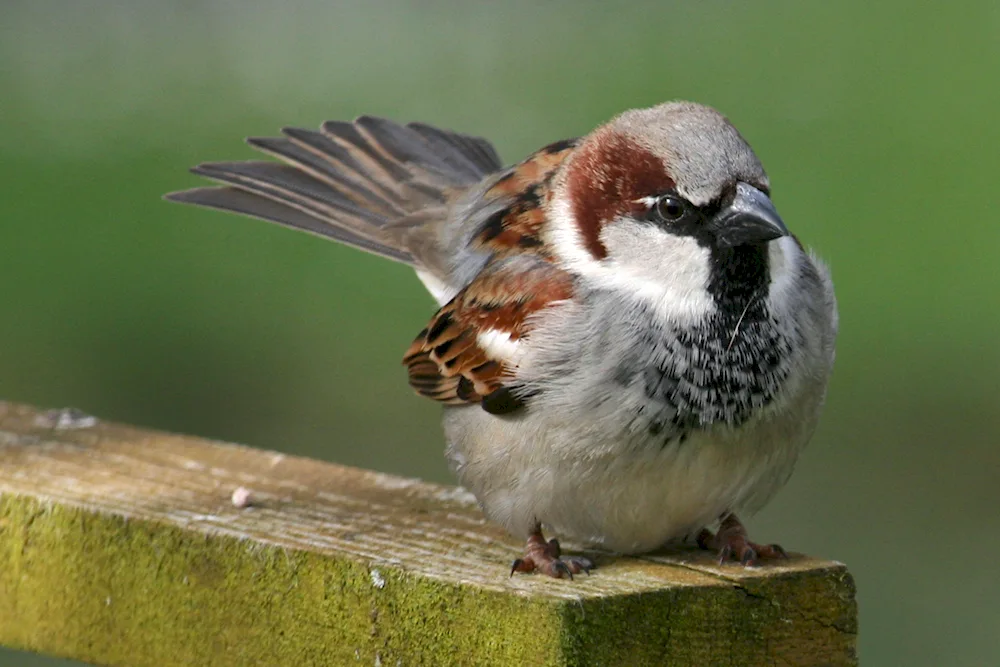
(349, 181)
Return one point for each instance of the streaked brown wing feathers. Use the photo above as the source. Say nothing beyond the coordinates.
(447, 361)
(517, 227)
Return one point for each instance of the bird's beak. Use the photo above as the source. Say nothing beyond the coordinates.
(749, 218)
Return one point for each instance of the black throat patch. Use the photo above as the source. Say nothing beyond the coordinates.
(731, 365)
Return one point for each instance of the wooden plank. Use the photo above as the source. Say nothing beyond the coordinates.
(121, 546)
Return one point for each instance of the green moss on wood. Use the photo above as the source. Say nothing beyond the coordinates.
(108, 590)
(788, 623)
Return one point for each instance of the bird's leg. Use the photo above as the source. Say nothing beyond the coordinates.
(732, 542)
(547, 557)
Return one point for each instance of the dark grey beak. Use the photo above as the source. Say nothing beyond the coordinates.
(750, 218)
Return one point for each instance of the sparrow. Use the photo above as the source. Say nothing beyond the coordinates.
(630, 346)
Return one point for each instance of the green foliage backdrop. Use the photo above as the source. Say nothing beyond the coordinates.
(877, 123)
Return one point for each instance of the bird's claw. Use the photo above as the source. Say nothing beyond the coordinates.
(732, 543)
(547, 557)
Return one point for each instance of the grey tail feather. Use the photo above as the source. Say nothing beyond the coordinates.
(348, 181)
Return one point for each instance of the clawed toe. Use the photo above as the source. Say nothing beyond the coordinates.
(569, 566)
(558, 568)
(547, 557)
(770, 551)
(733, 544)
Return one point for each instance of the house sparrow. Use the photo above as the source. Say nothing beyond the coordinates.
(630, 346)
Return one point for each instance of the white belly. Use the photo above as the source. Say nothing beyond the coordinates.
(625, 496)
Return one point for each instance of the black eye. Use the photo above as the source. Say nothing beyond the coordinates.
(670, 208)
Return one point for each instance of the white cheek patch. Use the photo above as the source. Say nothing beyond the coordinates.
(784, 259)
(500, 346)
(669, 273)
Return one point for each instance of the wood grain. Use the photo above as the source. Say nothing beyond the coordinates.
(124, 546)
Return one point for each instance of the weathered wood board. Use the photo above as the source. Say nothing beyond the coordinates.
(122, 546)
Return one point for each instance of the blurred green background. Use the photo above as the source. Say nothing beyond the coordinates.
(877, 123)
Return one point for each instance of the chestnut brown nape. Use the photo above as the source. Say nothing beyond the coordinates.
(606, 177)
